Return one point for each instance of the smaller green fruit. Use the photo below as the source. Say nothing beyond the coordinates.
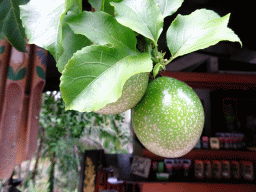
(169, 118)
(133, 90)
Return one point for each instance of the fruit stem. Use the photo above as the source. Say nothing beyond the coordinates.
(156, 54)
(159, 61)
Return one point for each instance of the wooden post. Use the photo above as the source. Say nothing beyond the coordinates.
(37, 85)
(20, 102)
(4, 59)
(14, 95)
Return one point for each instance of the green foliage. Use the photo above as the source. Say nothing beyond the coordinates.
(57, 122)
(80, 82)
(168, 8)
(144, 17)
(67, 182)
(97, 52)
(68, 161)
(32, 187)
(198, 30)
(45, 25)
(71, 42)
(10, 23)
(109, 131)
(65, 129)
(102, 28)
(69, 133)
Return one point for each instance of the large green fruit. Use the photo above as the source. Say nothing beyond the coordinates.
(169, 118)
(133, 90)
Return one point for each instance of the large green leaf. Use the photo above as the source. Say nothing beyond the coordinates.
(168, 7)
(70, 5)
(142, 16)
(72, 43)
(102, 28)
(118, 49)
(95, 76)
(198, 30)
(10, 23)
(43, 22)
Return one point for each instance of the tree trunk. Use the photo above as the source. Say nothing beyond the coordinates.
(51, 173)
(38, 155)
(77, 154)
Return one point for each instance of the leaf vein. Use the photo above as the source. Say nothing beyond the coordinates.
(76, 78)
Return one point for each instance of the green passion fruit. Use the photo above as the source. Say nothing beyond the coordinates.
(133, 90)
(169, 119)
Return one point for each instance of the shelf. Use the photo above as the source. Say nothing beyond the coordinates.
(192, 187)
(215, 80)
(210, 154)
(190, 179)
(212, 81)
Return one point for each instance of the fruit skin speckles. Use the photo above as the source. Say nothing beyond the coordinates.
(174, 123)
(133, 90)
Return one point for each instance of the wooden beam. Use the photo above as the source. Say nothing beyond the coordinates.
(215, 80)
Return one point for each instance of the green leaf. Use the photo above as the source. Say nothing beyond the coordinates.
(71, 43)
(70, 5)
(168, 7)
(158, 67)
(10, 23)
(198, 30)
(95, 76)
(102, 28)
(141, 16)
(43, 22)
(106, 7)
